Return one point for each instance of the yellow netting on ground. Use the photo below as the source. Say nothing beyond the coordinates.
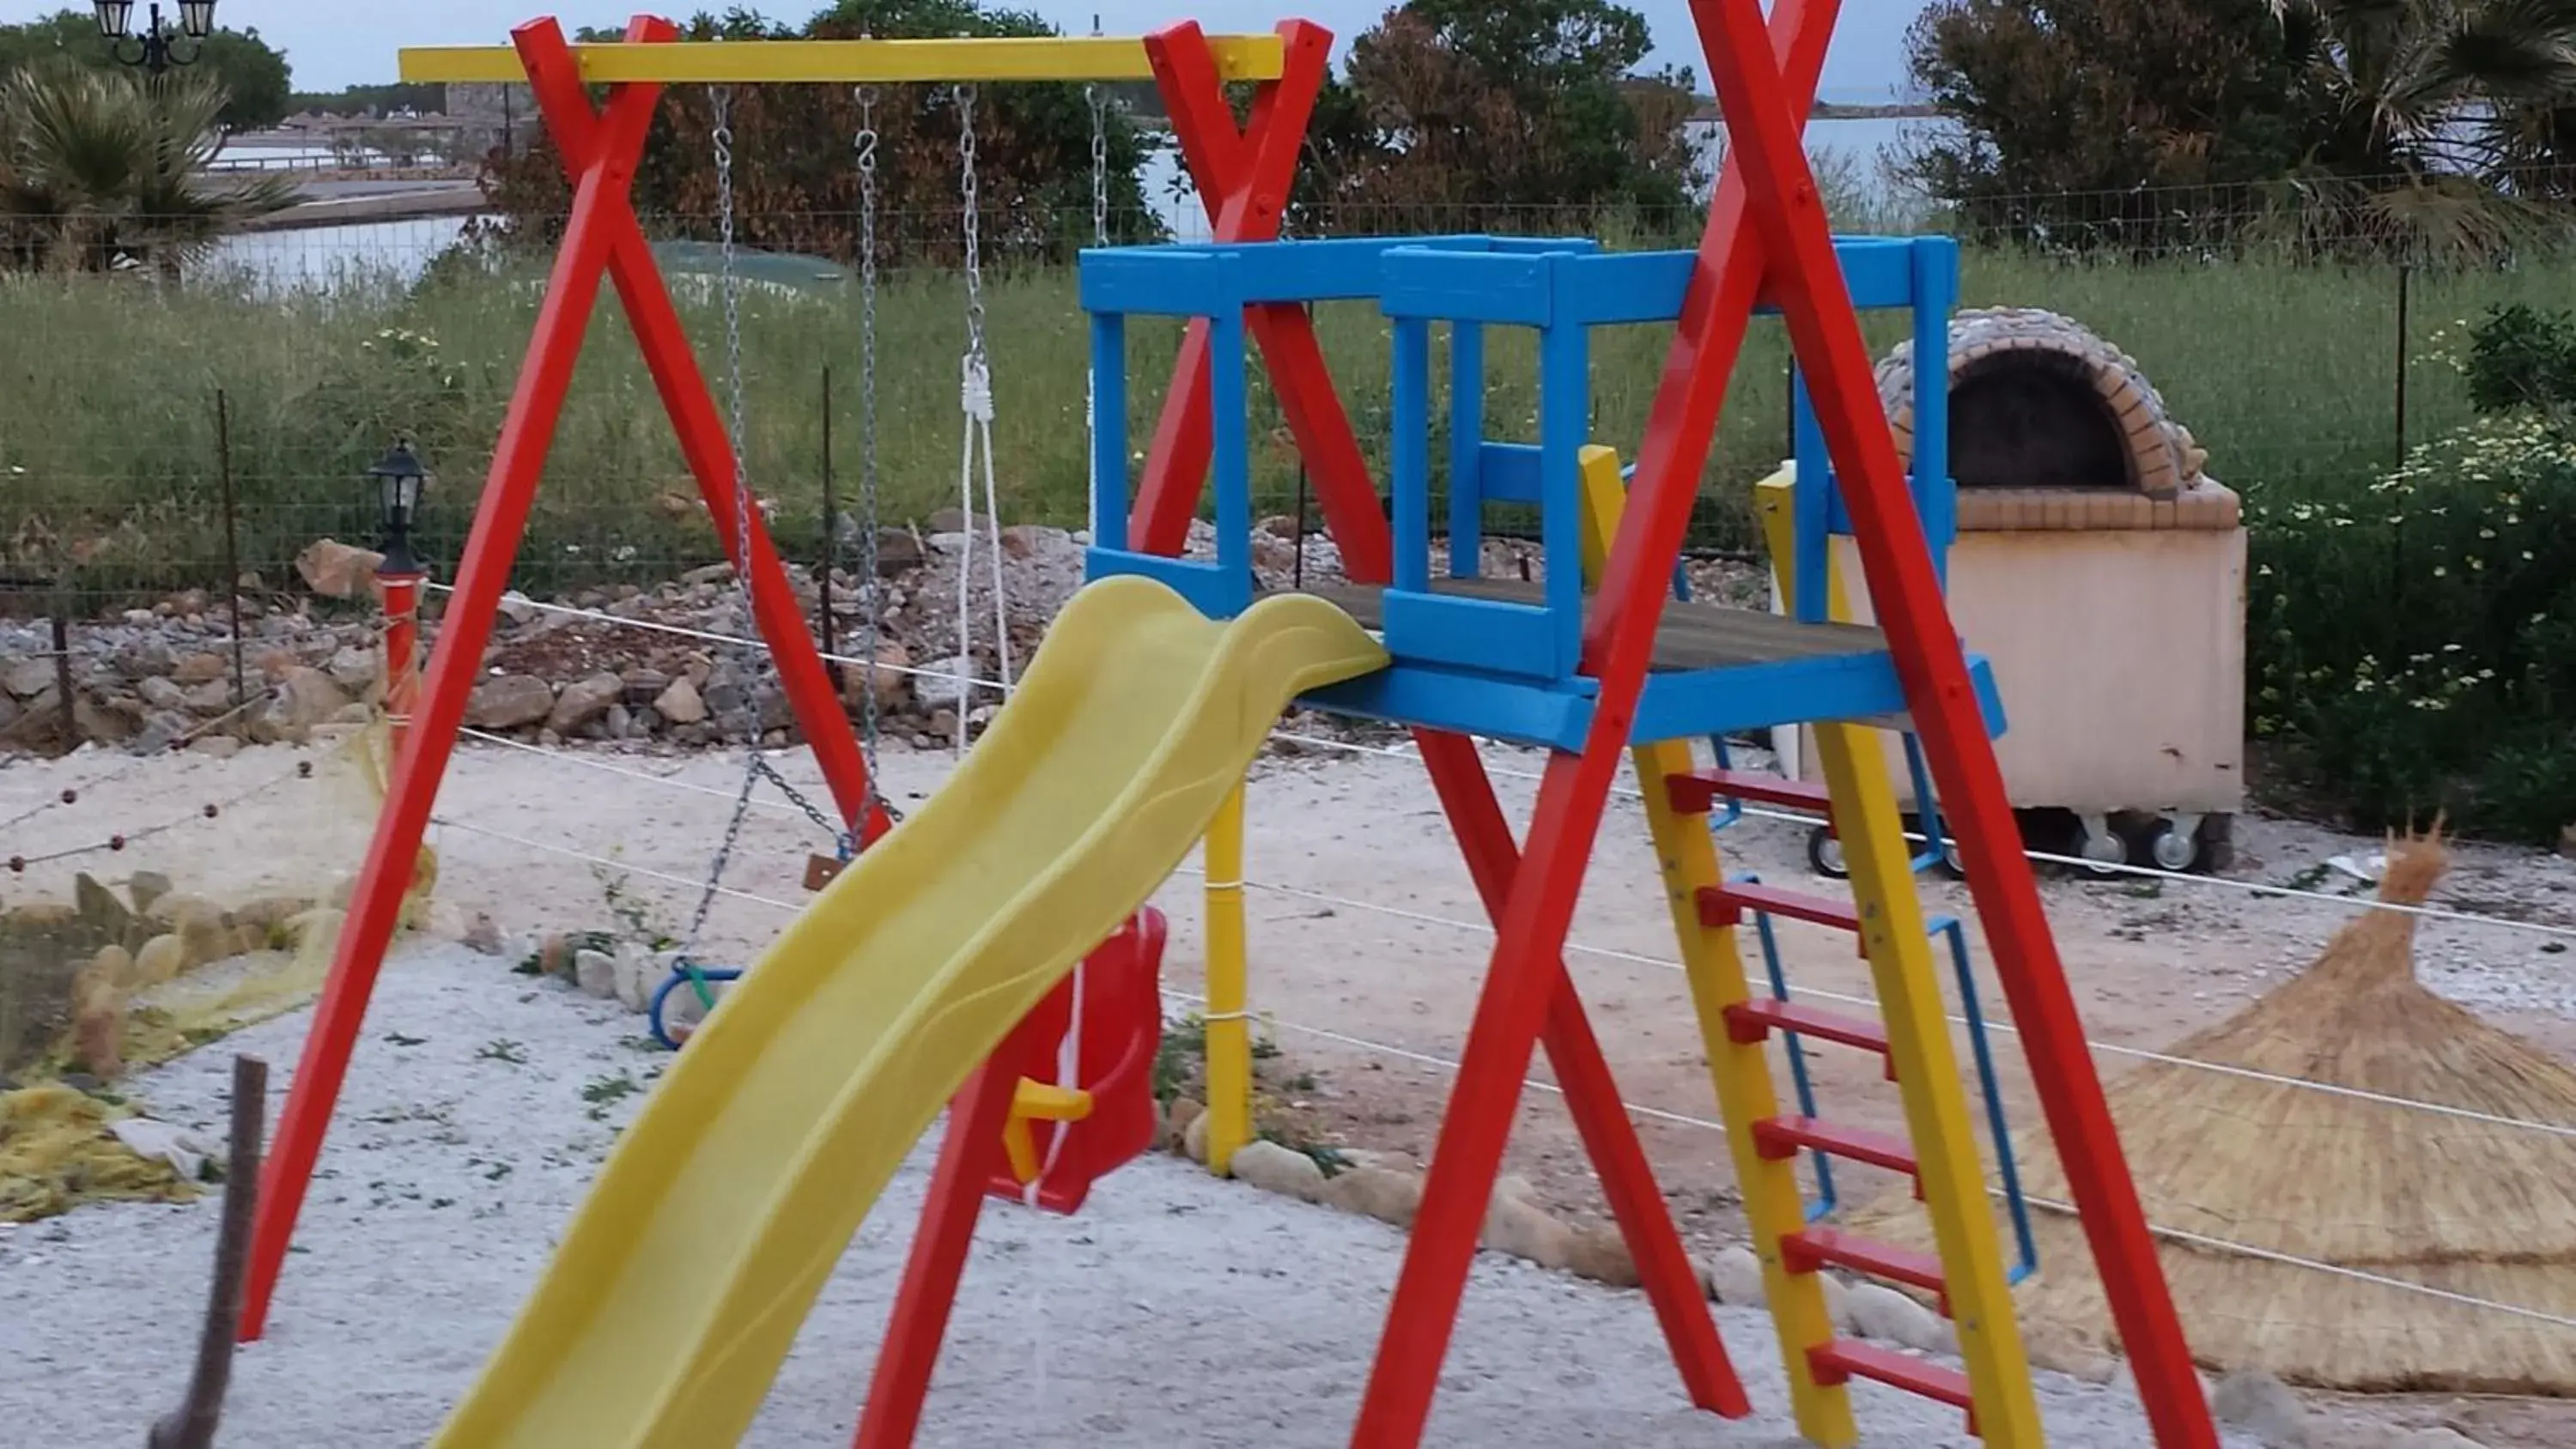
(103, 973)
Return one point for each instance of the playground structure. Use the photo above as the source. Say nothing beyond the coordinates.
(910, 982)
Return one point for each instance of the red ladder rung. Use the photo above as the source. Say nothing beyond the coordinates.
(1780, 1138)
(1698, 792)
(1750, 1022)
(1725, 906)
(1809, 1249)
(1838, 1361)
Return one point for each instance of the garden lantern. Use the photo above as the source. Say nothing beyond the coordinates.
(398, 477)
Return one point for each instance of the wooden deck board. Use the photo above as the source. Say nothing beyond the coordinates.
(1690, 636)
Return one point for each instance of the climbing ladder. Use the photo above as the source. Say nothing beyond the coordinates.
(1966, 1276)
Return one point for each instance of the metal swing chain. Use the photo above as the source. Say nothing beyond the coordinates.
(1099, 238)
(865, 144)
(756, 766)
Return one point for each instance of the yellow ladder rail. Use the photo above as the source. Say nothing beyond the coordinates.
(1899, 949)
(1740, 1072)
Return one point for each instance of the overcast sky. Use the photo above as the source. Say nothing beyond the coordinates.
(334, 43)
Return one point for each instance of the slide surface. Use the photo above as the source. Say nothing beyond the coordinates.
(683, 1278)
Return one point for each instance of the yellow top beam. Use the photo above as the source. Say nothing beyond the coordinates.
(848, 62)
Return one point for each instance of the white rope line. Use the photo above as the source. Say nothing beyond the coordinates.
(1845, 998)
(611, 862)
(1406, 754)
(1634, 1109)
(1636, 958)
(2179, 1235)
(586, 762)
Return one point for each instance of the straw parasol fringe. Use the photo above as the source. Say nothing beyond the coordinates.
(2467, 1207)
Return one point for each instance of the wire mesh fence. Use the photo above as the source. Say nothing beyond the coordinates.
(183, 427)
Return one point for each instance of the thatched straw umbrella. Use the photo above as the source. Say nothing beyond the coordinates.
(2465, 1206)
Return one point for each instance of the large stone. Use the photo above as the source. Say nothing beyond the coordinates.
(198, 668)
(1881, 1312)
(1600, 1254)
(893, 687)
(584, 700)
(337, 570)
(161, 693)
(1273, 1168)
(146, 658)
(354, 668)
(303, 697)
(681, 703)
(938, 686)
(107, 917)
(1525, 1231)
(2263, 1406)
(28, 678)
(509, 702)
(146, 886)
(1735, 1277)
(595, 972)
(1383, 1193)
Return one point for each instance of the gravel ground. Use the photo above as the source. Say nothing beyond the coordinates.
(1176, 1309)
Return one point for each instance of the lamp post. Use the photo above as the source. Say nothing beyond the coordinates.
(157, 49)
(399, 478)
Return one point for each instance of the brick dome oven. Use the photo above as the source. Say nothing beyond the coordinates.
(2085, 508)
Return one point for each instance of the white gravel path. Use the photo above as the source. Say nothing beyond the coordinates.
(1176, 1310)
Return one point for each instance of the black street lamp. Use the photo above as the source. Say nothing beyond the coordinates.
(157, 49)
(398, 476)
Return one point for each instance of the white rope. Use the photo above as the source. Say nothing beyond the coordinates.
(2350, 904)
(1633, 1109)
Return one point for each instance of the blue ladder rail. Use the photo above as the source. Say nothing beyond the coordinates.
(1826, 1200)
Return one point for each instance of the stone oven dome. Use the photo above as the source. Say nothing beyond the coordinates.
(2037, 400)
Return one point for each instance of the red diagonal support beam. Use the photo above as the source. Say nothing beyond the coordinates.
(1591, 1094)
(1761, 111)
(601, 239)
(1618, 644)
(1242, 178)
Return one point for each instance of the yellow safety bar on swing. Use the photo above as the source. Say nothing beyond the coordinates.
(849, 62)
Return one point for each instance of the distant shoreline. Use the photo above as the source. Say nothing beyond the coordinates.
(1841, 111)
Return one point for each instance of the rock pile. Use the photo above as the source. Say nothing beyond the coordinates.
(627, 662)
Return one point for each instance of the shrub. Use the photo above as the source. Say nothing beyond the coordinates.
(2415, 645)
(2521, 357)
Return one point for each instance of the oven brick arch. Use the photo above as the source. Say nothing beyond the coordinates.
(2160, 458)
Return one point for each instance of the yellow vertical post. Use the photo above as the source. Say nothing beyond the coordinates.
(1229, 1040)
(1899, 950)
(1740, 1072)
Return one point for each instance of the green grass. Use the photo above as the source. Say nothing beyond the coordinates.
(2288, 375)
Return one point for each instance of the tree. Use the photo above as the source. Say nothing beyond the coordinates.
(101, 170)
(253, 75)
(1460, 114)
(795, 179)
(2154, 124)
(2102, 122)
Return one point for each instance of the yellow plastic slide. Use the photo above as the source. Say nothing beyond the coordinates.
(683, 1279)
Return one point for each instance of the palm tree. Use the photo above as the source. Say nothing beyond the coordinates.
(2428, 114)
(101, 170)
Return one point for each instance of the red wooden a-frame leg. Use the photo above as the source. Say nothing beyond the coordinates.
(1592, 1095)
(1243, 180)
(601, 238)
(1905, 592)
(919, 1322)
(518, 459)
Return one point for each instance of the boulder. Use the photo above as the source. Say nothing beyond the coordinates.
(1526, 1231)
(1283, 1170)
(146, 886)
(595, 972)
(1735, 1277)
(1177, 1117)
(1881, 1312)
(337, 570)
(584, 700)
(202, 668)
(161, 693)
(28, 678)
(1601, 1254)
(2263, 1407)
(304, 697)
(354, 668)
(680, 703)
(893, 688)
(509, 702)
(161, 959)
(1194, 1138)
(1383, 1193)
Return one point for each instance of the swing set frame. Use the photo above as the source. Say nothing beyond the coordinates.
(1242, 176)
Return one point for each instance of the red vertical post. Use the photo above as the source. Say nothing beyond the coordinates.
(399, 592)
(1905, 594)
(518, 460)
(967, 1159)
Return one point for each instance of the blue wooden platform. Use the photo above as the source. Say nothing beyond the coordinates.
(1494, 657)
